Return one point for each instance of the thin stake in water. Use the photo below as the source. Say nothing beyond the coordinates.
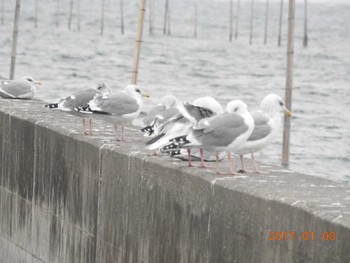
(231, 19)
(237, 19)
(2, 12)
(70, 14)
(58, 14)
(266, 21)
(78, 15)
(150, 17)
(102, 16)
(195, 18)
(168, 25)
(135, 67)
(305, 39)
(122, 16)
(36, 14)
(251, 23)
(166, 16)
(280, 25)
(14, 39)
(289, 83)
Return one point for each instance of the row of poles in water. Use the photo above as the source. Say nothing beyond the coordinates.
(289, 68)
(234, 13)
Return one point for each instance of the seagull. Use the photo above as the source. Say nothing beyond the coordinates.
(19, 89)
(123, 107)
(267, 123)
(81, 99)
(180, 124)
(223, 132)
(159, 114)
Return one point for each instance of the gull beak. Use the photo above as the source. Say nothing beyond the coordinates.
(38, 82)
(144, 94)
(286, 111)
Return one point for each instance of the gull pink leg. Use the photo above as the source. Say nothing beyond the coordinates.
(256, 167)
(217, 164)
(90, 125)
(123, 138)
(230, 167)
(189, 158)
(202, 165)
(116, 132)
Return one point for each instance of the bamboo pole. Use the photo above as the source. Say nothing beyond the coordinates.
(122, 16)
(266, 21)
(70, 14)
(305, 39)
(58, 14)
(135, 67)
(2, 12)
(280, 25)
(195, 18)
(36, 14)
(14, 39)
(166, 16)
(289, 83)
(251, 23)
(231, 19)
(78, 15)
(102, 16)
(237, 19)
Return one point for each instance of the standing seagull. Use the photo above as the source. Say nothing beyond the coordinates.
(123, 107)
(160, 114)
(81, 99)
(223, 132)
(19, 89)
(179, 125)
(267, 123)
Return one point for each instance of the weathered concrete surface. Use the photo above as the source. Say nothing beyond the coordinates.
(65, 197)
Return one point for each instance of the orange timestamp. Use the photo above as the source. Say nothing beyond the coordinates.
(305, 235)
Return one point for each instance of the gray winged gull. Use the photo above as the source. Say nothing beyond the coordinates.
(267, 123)
(223, 132)
(81, 98)
(160, 114)
(19, 89)
(123, 107)
(180, 124)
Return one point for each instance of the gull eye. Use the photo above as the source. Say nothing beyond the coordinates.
(99, 88)
(138, 90)
(281, 103)
(29, 79)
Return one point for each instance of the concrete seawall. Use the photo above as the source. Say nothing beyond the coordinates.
(65, 197)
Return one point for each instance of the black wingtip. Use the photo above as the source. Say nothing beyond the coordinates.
(148, 129)
(51, 106)
(83, 109)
